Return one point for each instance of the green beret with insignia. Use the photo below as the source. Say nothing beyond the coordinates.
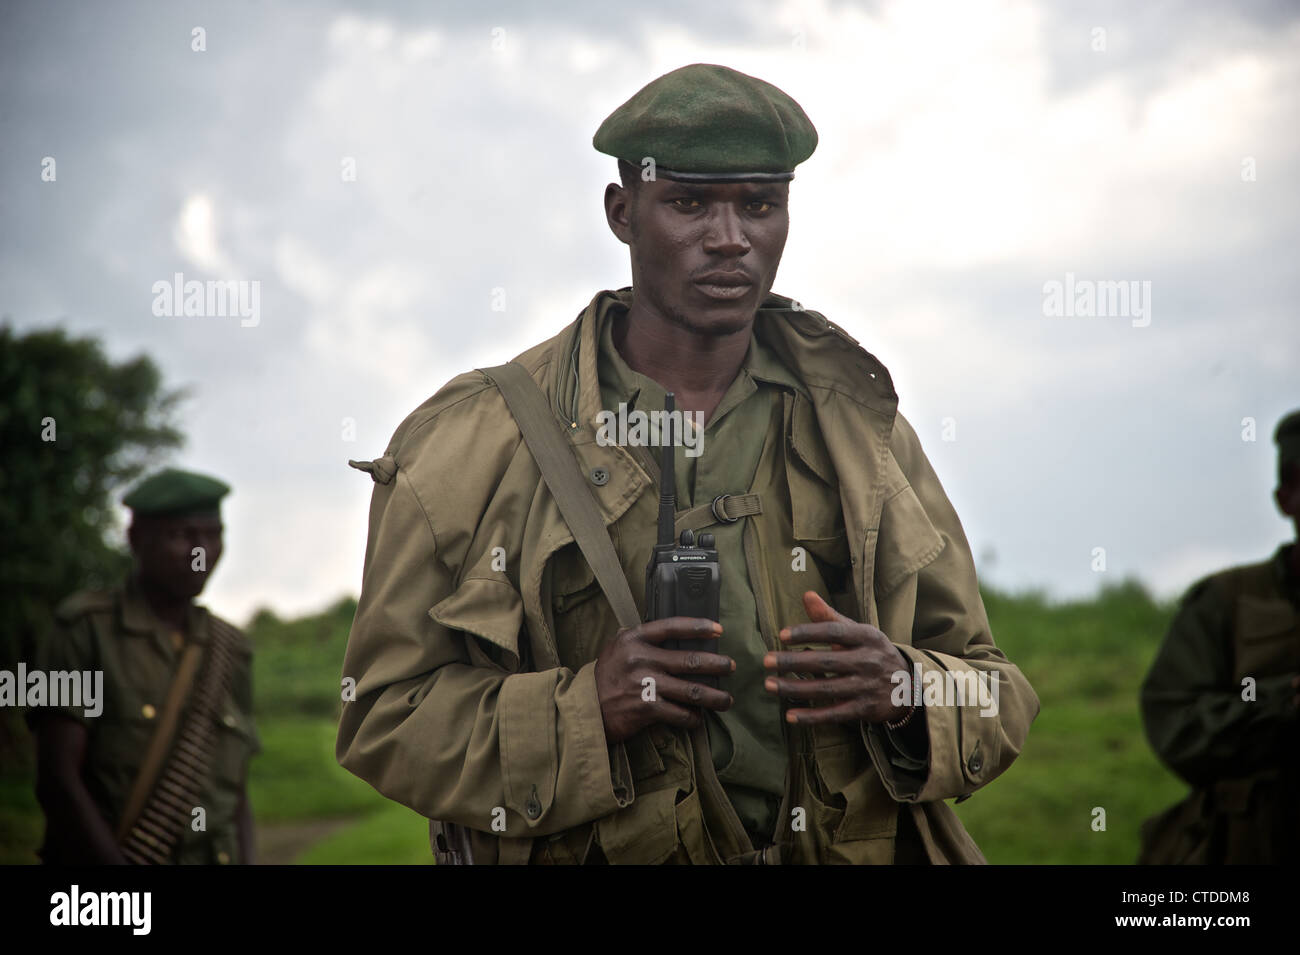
(1287, 437)
(176, 492)
(706, 123)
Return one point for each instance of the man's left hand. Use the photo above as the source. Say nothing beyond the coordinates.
(851, 679)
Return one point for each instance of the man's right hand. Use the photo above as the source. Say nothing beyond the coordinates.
(635, 653)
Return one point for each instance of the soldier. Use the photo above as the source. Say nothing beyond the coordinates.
(1221, 704)
(160, 774)
(496, 692)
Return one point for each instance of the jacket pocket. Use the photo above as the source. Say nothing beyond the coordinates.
(644, 833)
(906, 543)
(582, 616)
(851, 778)
(664, 826)
(235, 746)
(1268, 638)
(490, 610)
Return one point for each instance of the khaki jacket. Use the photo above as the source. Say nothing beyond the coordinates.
(464, 711)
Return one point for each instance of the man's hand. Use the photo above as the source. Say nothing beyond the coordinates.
(861, 661)
(635, 654)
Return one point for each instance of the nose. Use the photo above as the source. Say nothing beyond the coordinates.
(726, 234)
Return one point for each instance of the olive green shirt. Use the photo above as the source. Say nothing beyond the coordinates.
(744, 451)
(116, 632)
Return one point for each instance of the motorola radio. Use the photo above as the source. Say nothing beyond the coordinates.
(682, 578)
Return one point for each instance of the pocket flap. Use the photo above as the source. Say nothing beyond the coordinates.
(487, 608)
(644, 833)
(907, 541)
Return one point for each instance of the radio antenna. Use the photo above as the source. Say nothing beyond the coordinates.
(667, 480)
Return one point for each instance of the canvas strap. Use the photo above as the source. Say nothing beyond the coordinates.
(560, 469)
(173, 777)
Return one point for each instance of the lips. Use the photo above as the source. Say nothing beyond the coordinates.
(724, 285)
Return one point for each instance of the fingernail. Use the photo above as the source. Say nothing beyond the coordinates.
(769, 660)
(770, 685)
(784, 634)
(733, 666)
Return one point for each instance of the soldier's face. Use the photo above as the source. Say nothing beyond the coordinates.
(703, 255)
(176, 554)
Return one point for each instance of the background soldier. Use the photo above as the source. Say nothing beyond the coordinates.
(176, 731)
(1221, 702)
(496, 692)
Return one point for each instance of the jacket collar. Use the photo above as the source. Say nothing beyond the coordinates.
(138, 618)
(819, 353)
(843, 432)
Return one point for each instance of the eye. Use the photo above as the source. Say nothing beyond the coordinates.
(766, 206)
(685, 203)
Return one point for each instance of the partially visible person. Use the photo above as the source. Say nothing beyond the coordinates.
(159, 774)
(1221, 704)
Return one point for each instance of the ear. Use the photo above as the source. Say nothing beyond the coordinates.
(618, 212)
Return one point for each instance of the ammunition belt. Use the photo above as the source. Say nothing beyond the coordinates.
(169, 808)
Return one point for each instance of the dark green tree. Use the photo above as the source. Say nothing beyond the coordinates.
(75, 428)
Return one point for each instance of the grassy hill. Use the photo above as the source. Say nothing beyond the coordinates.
(1085, 659)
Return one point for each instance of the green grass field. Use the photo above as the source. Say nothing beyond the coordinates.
(1086, 750)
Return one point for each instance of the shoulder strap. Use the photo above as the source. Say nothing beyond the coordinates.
(160, 742)
(169, 802)
(529, 405)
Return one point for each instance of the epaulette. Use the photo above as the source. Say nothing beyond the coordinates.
(1234, 582)
(82, 603)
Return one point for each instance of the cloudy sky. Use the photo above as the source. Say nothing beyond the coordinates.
(971, 154)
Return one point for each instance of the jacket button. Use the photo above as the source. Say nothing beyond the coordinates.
(533, 807)
(599, 477)
(976, 762)
(223, 858)
(147, 711)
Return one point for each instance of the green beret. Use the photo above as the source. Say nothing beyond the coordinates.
(706, 123)
(1287, 437)
(176, 492)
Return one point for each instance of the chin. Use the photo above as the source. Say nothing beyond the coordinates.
(715, 323)
(192, 588)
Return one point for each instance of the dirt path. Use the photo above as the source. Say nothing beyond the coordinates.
(279, 843)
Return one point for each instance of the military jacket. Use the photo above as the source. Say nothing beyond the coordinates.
(1218, 709)
(116, 632)
(476, 632)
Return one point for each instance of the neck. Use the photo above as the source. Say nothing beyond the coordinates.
(697, 368)
(171, 610)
